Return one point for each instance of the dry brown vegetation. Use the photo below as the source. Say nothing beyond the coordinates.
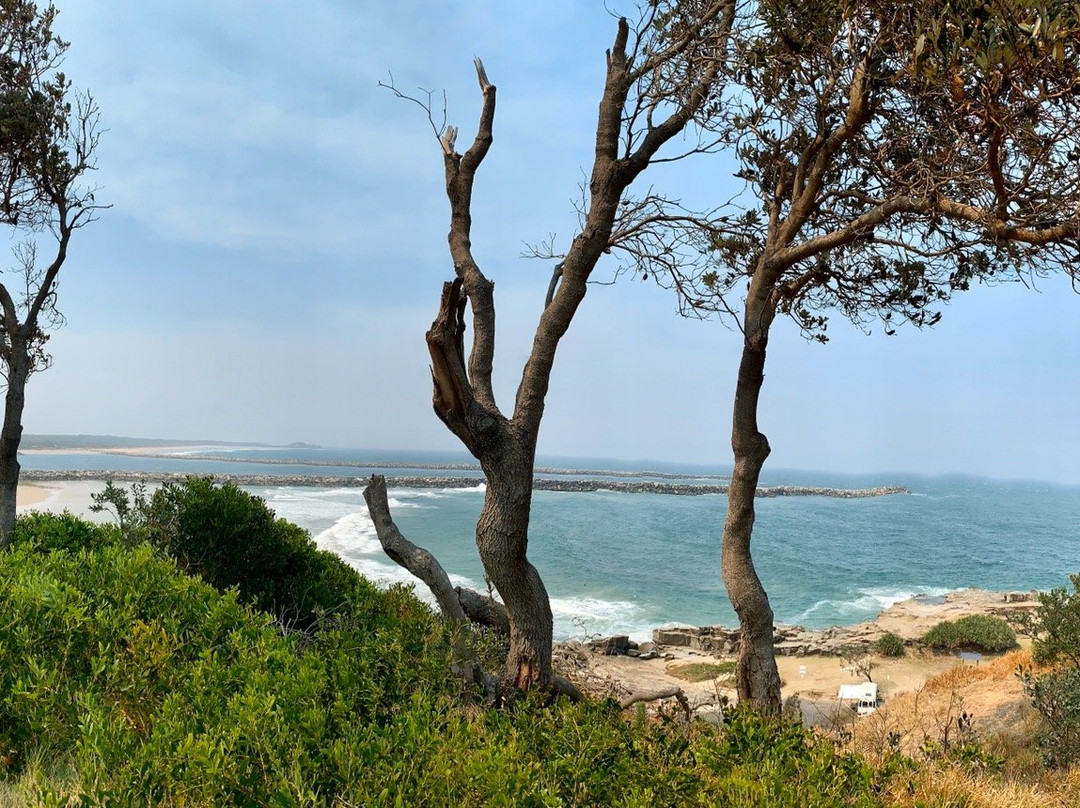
(952, 785)
(982, 705)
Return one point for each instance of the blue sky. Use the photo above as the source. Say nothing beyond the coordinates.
(276, 248)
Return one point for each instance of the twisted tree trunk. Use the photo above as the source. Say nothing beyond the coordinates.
(502, 539)
(756, 676)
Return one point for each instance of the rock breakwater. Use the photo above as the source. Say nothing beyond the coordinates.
(539, 484)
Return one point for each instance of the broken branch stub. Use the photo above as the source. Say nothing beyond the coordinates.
(452, 392)
(657, 695)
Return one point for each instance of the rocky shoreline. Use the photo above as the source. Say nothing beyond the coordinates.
(539, 484)
(909, 619)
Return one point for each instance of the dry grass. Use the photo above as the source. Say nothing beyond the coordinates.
(57, 777)
(924, 723)
(700, 671)
(951, 786)
(989, 694)
(998, 670)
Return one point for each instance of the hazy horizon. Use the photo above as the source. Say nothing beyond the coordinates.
(462, 455)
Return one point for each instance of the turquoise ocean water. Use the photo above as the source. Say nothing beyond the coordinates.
(623, 562)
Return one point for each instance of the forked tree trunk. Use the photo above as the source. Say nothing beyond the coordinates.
(756, 676)
(10, 437)
(628, 137)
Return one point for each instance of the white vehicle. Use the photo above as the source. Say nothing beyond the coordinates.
(862, 698)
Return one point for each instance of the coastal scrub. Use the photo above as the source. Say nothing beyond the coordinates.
(125, 681)
(978, 632)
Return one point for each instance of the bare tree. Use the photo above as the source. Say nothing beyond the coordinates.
(48, 136)
(658, 78)
(892, 153)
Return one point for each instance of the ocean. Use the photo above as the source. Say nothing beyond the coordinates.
(629, 562)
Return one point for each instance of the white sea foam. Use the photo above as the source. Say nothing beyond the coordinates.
(577, 617)
(474, 489)
(396, 503)
(309, 512)
(866, 605)
(386, 573)
(350, 536)
(315, 493)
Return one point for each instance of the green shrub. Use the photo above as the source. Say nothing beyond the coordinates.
(890, 645)
(1055, 631)
(979, 632)
(160, 689)
(1055, 625)
(1056, 696)
(232, 539)
(61, 531)
(143, 686)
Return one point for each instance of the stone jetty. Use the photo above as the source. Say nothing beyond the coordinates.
(622, 486)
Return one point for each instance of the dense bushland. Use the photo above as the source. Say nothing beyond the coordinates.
(231, 539)
(125, 681)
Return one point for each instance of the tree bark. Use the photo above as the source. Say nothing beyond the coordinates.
(484, 610)
(415, 559)
(502, 539)
(457, 604)
(10, 437)
(756, 675)
(672, 692)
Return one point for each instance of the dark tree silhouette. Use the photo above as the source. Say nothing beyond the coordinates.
(48, 136)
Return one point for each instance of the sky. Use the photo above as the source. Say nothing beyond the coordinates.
(276, 248)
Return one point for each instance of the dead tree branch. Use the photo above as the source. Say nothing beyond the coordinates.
(426, 567)
(484, 610)
(673, 692)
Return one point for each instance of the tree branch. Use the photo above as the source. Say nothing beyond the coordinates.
(782, 259)
(674, 692)
(608, 181)
(484, 610)
(416, 560)
(460, 176)
(426, 567)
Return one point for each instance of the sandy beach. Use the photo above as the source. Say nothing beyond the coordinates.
(29, 495)
(72, 495)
